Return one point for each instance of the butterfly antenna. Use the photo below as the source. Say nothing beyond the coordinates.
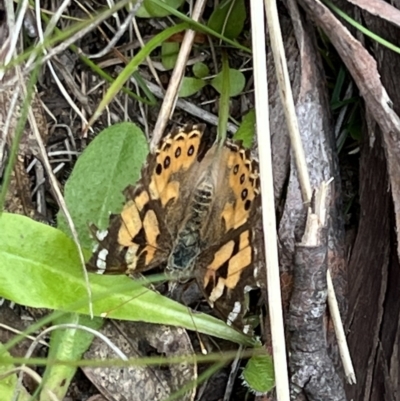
(202, 346)
(107, 313)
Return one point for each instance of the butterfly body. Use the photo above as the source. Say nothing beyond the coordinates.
(191, 213)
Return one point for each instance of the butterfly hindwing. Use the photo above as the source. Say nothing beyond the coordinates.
(192, 211)
(226, 270)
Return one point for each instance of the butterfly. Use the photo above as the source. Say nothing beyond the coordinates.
(193, 213)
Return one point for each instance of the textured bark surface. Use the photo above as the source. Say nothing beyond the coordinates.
(374, 330)
(374, 278)
(368, 272)
(316, 131)
(311, 368)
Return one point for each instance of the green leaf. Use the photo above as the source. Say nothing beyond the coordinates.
(259, 373)
(67, 345)
(200, 70)
(8, 384)
(246, 131)
(200, 27)
(338, 86)
(228, 18)
(169, 54)
(190, 86)
(40, 268)
(149, 10)
(236, 79)
(108, 165)
(223, 113)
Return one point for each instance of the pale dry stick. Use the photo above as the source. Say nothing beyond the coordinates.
(96, 87)
(278, 52)
(190, 7)
(57, 193)
(74, 326)
(52, 24)
(235, 366)
(14, 30)
(115, 16)
(40, 195)
(380, 9)
(190, 108)
(80, 34)
(148, 59)
(170, 98)
(50, 65)
(69, 81)
(49, 113)
(83, 90)
(33, 375)
(121, 30)
(89, 10)
(19, 332)
(301, 165)
(10, 13)
(122, 106)
(268, 206)
(63, 152)
(7, 124)
(58, 168)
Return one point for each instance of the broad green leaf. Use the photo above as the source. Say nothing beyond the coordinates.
(259, 373)
(150, 10)
(111, 161)
(246, 131)
(190, 86)
(40, 268)
(237, 82)
(228, 18)
(169, 54)
(200, 70)
(94, 189)
(67, 345)
(8, 384)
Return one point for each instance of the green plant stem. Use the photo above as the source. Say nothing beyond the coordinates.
(145, 361)
(361, 28)
(151, 100)
(224, 99)
(133, 65)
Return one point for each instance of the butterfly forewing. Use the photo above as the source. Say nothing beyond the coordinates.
(191, 211)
